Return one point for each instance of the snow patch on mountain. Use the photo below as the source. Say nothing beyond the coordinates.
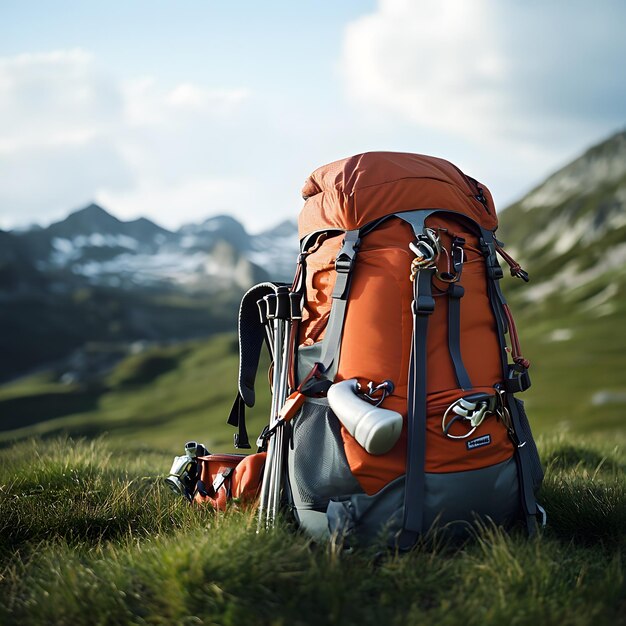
(601, 165)
(572, 276)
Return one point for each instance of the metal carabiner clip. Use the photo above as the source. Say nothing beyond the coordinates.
(385, 389)
(472, 409)
(426, 249)
(454, 262)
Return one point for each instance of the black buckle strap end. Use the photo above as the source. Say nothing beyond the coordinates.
(517, 380)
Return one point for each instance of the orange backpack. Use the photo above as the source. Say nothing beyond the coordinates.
(397, 291)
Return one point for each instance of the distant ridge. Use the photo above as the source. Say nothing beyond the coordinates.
(570, 231)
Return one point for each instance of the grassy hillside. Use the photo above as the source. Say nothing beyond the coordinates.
(159, 398)
(578, 361)
(88, 535)
(163, 396)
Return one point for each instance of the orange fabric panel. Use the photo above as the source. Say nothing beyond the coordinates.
(360, 189)
(451, 455)
(244, 482)
(320, 280)
(376, 344)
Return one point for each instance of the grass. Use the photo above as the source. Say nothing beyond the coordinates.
(89, 535)
(166, 395)
(159, 398)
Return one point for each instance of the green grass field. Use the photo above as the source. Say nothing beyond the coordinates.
(89, 535)
(159, 398)
(164, 396)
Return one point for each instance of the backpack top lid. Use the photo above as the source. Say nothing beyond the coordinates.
(352, 192)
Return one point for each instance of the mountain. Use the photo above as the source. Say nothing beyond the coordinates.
(570, 231)
(18, 274)
(276, 250)
(81, 289)
(93, 246)
(570, 234)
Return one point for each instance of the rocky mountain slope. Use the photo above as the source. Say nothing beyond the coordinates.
(570, 234)
(217, 254)
(85, 288)
(570, 231)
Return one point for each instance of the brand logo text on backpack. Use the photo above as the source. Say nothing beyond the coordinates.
(479, 442)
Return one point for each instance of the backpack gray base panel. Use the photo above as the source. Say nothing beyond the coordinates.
(328, 501)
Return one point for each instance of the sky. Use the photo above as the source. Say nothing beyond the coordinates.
(179, 110)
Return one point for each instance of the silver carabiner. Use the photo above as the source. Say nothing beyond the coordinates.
(426, 249)
(472, 409)
(385, 389)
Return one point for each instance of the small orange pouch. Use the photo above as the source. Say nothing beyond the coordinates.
(225, 477)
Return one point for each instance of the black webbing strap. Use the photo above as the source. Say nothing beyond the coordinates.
(422, 307)
(496, 298)
(416, 219)
(251, 337)
(237, 418)
(455, 293)
(331, 343)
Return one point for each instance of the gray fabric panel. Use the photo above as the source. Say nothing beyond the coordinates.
(526, 435)
(488, 492)
(308, 356)
(316, 461)
(451, 499)
(315, 523)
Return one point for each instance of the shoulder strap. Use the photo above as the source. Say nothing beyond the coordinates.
(251, 328)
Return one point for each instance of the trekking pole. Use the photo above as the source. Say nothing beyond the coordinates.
(279, 312)
(281, 328)
(270, 312)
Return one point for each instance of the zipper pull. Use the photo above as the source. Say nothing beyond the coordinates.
(480, 196)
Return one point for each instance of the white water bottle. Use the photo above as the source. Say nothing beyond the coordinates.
(376, 429)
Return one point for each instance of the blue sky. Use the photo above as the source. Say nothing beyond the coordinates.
(183, 109)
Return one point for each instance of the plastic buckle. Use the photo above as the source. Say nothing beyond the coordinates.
(345, 258)
(240, 444)
(261, 442)
(517, 380)
(495, 272)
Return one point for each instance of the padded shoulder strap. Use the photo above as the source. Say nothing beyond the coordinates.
(251, 335)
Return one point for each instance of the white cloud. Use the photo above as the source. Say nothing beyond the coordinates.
(70, 133)
(149, 103)
(54, 98)
(191, 200)
(188, 96)
(535, 77)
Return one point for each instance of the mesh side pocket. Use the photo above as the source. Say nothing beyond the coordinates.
(317, 465)
(527, 436)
